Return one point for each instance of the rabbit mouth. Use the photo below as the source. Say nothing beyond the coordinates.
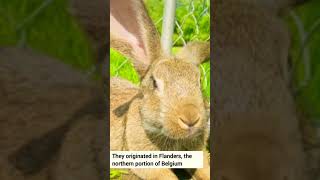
(181, 133)
(152, 127)
(176, 134)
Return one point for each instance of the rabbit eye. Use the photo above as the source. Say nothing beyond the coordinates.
(154, 83)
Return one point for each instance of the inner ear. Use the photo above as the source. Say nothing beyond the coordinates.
(129, 41)
(119, 19)
(133, 33)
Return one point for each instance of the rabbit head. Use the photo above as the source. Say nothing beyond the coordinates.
(172, 102)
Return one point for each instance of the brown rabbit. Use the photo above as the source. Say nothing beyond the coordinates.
(166, 112)
(41, 100)
(256, 133)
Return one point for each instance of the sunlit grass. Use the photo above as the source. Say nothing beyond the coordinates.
(116, 174)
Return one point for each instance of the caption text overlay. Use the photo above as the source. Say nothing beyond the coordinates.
(156, 159)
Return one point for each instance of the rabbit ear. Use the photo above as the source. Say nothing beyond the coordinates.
(195, 52)
(133, 33)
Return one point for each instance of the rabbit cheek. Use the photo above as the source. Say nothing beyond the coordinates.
(150, 114)
(174, 131)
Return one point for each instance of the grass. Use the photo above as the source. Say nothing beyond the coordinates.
(122, 67)
(117, 174)
(308, 97)
(192, 17)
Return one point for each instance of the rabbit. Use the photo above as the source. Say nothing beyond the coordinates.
(166, 112)
(256, 130)
(42, 99)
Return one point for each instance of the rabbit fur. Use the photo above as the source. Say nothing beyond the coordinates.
(37, 86)
(41, 95)
(41, 128)
(169, 90)
(256, 132)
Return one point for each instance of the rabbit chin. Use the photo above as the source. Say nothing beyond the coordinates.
(179, 134)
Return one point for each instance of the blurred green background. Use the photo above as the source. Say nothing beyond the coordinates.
(53, 31)
(306, 67)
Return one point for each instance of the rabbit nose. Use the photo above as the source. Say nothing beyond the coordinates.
(189, 116)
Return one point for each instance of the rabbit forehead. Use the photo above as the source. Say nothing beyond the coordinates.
(174, 69)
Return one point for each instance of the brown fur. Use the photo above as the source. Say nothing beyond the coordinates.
(41, 96)
(194, 52)
(128, 133)
(256, 136)
(142, 26)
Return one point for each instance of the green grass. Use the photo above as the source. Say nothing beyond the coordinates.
(122, 67)
(308, 97)
(192, 16)
(53, 32)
